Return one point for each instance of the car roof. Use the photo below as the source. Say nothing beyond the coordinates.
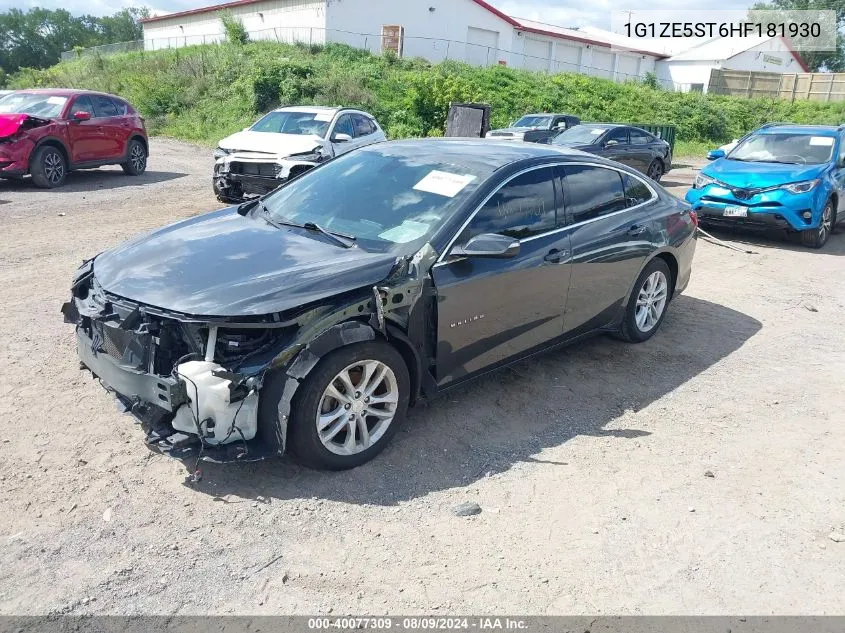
(66, 92)
(495, 152)
(817, 130)
(546, 114)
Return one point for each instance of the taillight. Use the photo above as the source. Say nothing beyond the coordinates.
(694, 217)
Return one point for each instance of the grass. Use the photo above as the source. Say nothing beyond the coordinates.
(204, 93)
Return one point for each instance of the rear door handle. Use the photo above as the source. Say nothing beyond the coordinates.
(637, 229)
(554, 256)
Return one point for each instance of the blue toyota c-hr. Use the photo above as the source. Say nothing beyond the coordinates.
(780, 176)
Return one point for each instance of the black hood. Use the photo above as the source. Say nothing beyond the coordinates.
(223, 264)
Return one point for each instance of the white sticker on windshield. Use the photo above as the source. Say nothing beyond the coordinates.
(824, 141)
(408, 231)
(443, 183)
(325, 118)
(56, 100)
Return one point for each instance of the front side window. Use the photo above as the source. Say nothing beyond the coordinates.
(82, 104)
(620, 135)
(592, 192)
(345, 126)
(291, 122)
(522, 208)
(788, 148)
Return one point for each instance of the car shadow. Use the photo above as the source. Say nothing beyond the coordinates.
(510, 416)
(92, 179)
(673, 183)
(777, 239)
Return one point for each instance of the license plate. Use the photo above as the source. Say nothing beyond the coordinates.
(735, 212)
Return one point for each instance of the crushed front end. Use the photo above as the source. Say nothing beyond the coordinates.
(193, 385)
(239, 176)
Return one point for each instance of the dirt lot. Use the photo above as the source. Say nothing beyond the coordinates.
(591, 464)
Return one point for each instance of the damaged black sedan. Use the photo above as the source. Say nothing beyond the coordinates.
(310, 319)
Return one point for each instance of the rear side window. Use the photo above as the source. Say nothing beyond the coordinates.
(363, 126)
(522, 208)
(636, 191)
(103, 106)
(121, 107)
(638, 137)
(82, 104)
(592, 192)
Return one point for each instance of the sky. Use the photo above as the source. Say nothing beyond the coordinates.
(571, 13)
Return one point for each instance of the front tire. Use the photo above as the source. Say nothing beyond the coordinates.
(647, 303)
(48, 167)
(349, 406)
(137, 159)
(816, 238)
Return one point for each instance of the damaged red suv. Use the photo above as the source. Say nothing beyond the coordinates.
(47, 133)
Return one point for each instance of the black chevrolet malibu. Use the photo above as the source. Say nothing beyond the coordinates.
(309, 320)
(628, 145)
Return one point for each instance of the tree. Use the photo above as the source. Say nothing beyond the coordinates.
(37, 38)
(832, 61)
(123, 26)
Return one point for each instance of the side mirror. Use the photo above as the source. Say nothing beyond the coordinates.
(81, 116)
(490, 245)
(713, 154)
(611, 143)
(340, 137)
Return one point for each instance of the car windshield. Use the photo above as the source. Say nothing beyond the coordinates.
(533, 120)
(392, 196)
(799, 149)
(288, 122)
(579, 135)
(44, 105)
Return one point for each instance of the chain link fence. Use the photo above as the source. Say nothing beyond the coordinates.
(429, 48)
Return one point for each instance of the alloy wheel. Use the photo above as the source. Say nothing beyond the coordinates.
(54, 167)
(655, 171)
(357, 407)
(651, 301)
(137, 157)
(827, 223)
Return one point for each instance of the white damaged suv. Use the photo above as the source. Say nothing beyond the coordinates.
(285, 143)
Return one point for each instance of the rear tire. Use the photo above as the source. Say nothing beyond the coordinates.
(655, 170)
(816, 238)
(48, 167)
(370, 408)
(648, 302)
(137, 158)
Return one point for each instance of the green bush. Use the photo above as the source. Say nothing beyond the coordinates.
(235, 30)
(202, 93)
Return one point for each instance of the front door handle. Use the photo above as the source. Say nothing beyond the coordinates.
(555, 256)
(637, 229)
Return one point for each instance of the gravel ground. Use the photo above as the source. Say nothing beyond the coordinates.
(702, 472)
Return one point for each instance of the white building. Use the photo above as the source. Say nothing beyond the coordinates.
(690, 69)
(465, 30)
